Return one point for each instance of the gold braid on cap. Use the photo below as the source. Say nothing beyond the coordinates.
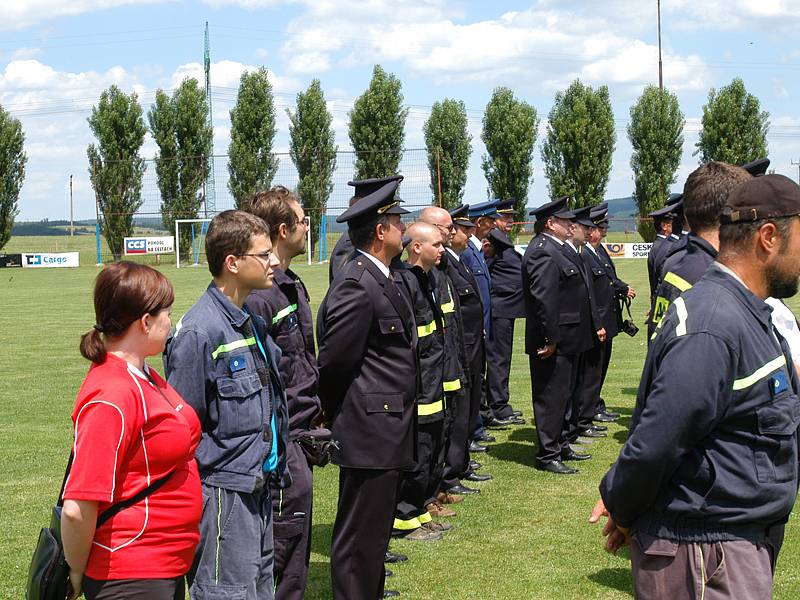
(383, 209)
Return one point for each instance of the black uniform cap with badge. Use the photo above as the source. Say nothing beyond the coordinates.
(505, 207)
(582, 216)
(757, 168)
(499, 240)
(556, 208)
(459, 216)
(599, 215)
(668, 212)
(766, 197)
(375, 197)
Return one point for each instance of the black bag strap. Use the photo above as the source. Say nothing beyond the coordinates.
(627, 303)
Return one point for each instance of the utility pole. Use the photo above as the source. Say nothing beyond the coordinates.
(797, 164)
(71, 222)
(660, 75)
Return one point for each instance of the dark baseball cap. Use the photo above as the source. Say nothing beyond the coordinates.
(767, 197)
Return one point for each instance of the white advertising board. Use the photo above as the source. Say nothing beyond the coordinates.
(615, 250)
(40, 260)
(149, 245)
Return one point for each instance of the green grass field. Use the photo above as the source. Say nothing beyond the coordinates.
(525, 536)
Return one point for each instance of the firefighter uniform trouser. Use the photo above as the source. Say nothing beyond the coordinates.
(291, 528)
(419, 485)
(235, 555)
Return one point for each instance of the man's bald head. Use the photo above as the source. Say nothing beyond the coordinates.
(420, 231)
(439, 217)
(426, 246)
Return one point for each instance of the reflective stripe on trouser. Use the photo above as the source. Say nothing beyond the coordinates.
(419, 485)
(235, 553)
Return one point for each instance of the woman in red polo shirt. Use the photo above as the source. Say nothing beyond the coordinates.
(131, 430)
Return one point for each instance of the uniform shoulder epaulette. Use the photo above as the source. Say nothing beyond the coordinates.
(356, 267)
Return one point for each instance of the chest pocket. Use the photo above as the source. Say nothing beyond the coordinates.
(569, 271)
(239, 407)
(465, 291)
(390, 325)
(776, 449)
(288, 333)
(598, 272)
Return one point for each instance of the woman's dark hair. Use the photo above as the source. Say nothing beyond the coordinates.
(123, 293)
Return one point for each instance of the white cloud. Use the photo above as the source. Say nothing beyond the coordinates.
(17, 14)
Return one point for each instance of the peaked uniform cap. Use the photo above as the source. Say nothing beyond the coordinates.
(500, 240)
(758, 167)
(555, 208)
(505, 207)
(459, 215)
(599, 209)
(375, 197)
(483, 209)
(582, 216)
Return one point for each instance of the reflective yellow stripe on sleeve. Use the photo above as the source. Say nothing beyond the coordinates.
(448, 307)
(425, 410)
(452, 386)
(283, 313)
(760, 373)
(223, 348)
(426, 330)
(678, 281)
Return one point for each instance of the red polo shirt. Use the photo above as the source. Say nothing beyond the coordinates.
(127, 435)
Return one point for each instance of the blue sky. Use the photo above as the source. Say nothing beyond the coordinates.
(57, 56)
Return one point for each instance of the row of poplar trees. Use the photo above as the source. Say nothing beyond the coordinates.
(577, 149)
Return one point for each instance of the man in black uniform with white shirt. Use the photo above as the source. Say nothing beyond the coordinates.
(368, 380)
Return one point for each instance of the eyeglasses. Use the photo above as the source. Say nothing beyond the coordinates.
(265, 256)
(451, 228)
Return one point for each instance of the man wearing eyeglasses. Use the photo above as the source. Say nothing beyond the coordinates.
(222, 362)
(285, 308)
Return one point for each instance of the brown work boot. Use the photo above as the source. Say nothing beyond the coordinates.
(437, 509)
(423, 534)
(448, 498)
(437, 527)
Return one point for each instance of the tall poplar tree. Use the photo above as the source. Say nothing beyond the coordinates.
(12, 171)
(449, 146)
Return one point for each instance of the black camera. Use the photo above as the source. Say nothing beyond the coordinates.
(629, 327)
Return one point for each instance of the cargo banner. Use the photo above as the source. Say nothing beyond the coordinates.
(40, 260)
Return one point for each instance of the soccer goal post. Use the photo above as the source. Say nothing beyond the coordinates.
(194, 230)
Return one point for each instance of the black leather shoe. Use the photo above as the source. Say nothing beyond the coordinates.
(475, 477)
(600, 427)
(461, 490)
(592, 433)
(516, 413)
(394, 557)
(512, 420)
(556, 466)
(476, 447)
(572, 455)
(388, 573)
(474, 465)
(602, 417)
(390, 593)
(484, 438)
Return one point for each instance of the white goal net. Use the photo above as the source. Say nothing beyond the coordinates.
(190, 242)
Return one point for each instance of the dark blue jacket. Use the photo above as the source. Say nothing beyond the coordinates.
(213, 360)
(476, 263)
(505, 270)
(712, 453)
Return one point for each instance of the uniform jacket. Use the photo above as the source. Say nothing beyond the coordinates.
(285, 308)
(213, 360)
(681, 271)
(454, 376)
(506, 277)
(342, 252)
(725, 466)
(620, 287)
(368, 367)
(430, 343)
(469, 299)
(556, 300)
(655, 260)
(476, 263)
(603, 290)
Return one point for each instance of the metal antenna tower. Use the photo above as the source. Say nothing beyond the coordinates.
(211, 198)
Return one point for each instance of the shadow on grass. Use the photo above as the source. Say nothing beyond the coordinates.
(319, 581)
(618, 579)
(321, 538)
(523, 434)
(522, 454)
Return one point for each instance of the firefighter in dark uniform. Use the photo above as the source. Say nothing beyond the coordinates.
(343, 249)
(457, 462)
(704, 195)
(607, 292)
(285, 307)
(418, 485)
(709, 471)
(558, 328)
(662, 244)
(505, 269)
(368, 374)
(599, 214)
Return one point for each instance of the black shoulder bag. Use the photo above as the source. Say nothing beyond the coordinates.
(628, 326)
(48, 573)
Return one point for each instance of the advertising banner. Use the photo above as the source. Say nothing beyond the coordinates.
(150, 245)
(615, 250)
(10, 260)
(40, 260)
